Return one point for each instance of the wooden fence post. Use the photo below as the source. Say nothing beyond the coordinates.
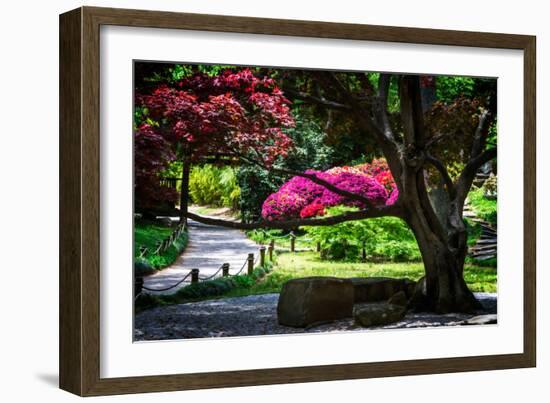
(138, 285)
(142, 250)
(270, 249)
(194, 276)
(262, 256)
(250, 263)
(292, 241)
(318, 247)
(225, 269)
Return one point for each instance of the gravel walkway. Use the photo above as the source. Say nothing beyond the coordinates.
(257, 315)
(209, 246)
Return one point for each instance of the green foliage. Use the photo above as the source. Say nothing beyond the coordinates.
(484, 207)
(310, 150)
(214, 186)
(385, 238)
(256, 185)
(393, 91)
(449, 88)
(473, 229)
(492, 262)
(296, 265)
(148, 234)
(142, 267)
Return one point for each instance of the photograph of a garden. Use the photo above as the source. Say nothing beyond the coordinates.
(280, 201)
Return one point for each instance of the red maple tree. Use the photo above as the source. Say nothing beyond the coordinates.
(228, 115)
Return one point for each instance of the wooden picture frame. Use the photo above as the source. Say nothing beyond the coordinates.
(80, 184)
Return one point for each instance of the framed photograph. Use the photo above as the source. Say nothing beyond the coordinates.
(249, 201)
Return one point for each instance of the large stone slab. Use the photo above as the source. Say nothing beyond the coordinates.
(374, 289)
(310, 300)
(378, 314)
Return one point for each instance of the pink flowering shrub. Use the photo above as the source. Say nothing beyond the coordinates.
(300, 197)
(393, 197)
(313, 209)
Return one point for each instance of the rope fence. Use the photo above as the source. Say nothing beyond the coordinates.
(163, 245)
(250, 262)
(170, 287)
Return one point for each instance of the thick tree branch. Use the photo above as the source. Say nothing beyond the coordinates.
(385, 211)
(437, 164)
(363, 113)
(316, 100)
(478, 157)
(412, 116)
(466, 178)
(382, 106)
(480, 134)
(436, 139)
(312, 177)
(476, 163)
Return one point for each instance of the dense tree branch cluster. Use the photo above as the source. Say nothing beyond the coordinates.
(410, 150)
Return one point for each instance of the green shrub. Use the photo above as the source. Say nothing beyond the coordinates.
(385, 238)
(214, 186)
(397, 250)
(485, 208)
(142, 267)
(341, 249)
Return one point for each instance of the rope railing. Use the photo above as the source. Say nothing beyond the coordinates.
(162, 245)
(242, 268)
(167, 288)
(204, 278)
(250, 261)
(290, 235)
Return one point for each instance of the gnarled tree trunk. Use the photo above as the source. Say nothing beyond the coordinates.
(446, 291)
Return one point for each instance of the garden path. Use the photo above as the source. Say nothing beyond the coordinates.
(209, 246)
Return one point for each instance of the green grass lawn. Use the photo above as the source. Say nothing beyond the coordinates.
(148, 234)
(305, 264)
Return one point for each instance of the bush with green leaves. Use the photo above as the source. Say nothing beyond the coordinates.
(214, 186)
(385, 238)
